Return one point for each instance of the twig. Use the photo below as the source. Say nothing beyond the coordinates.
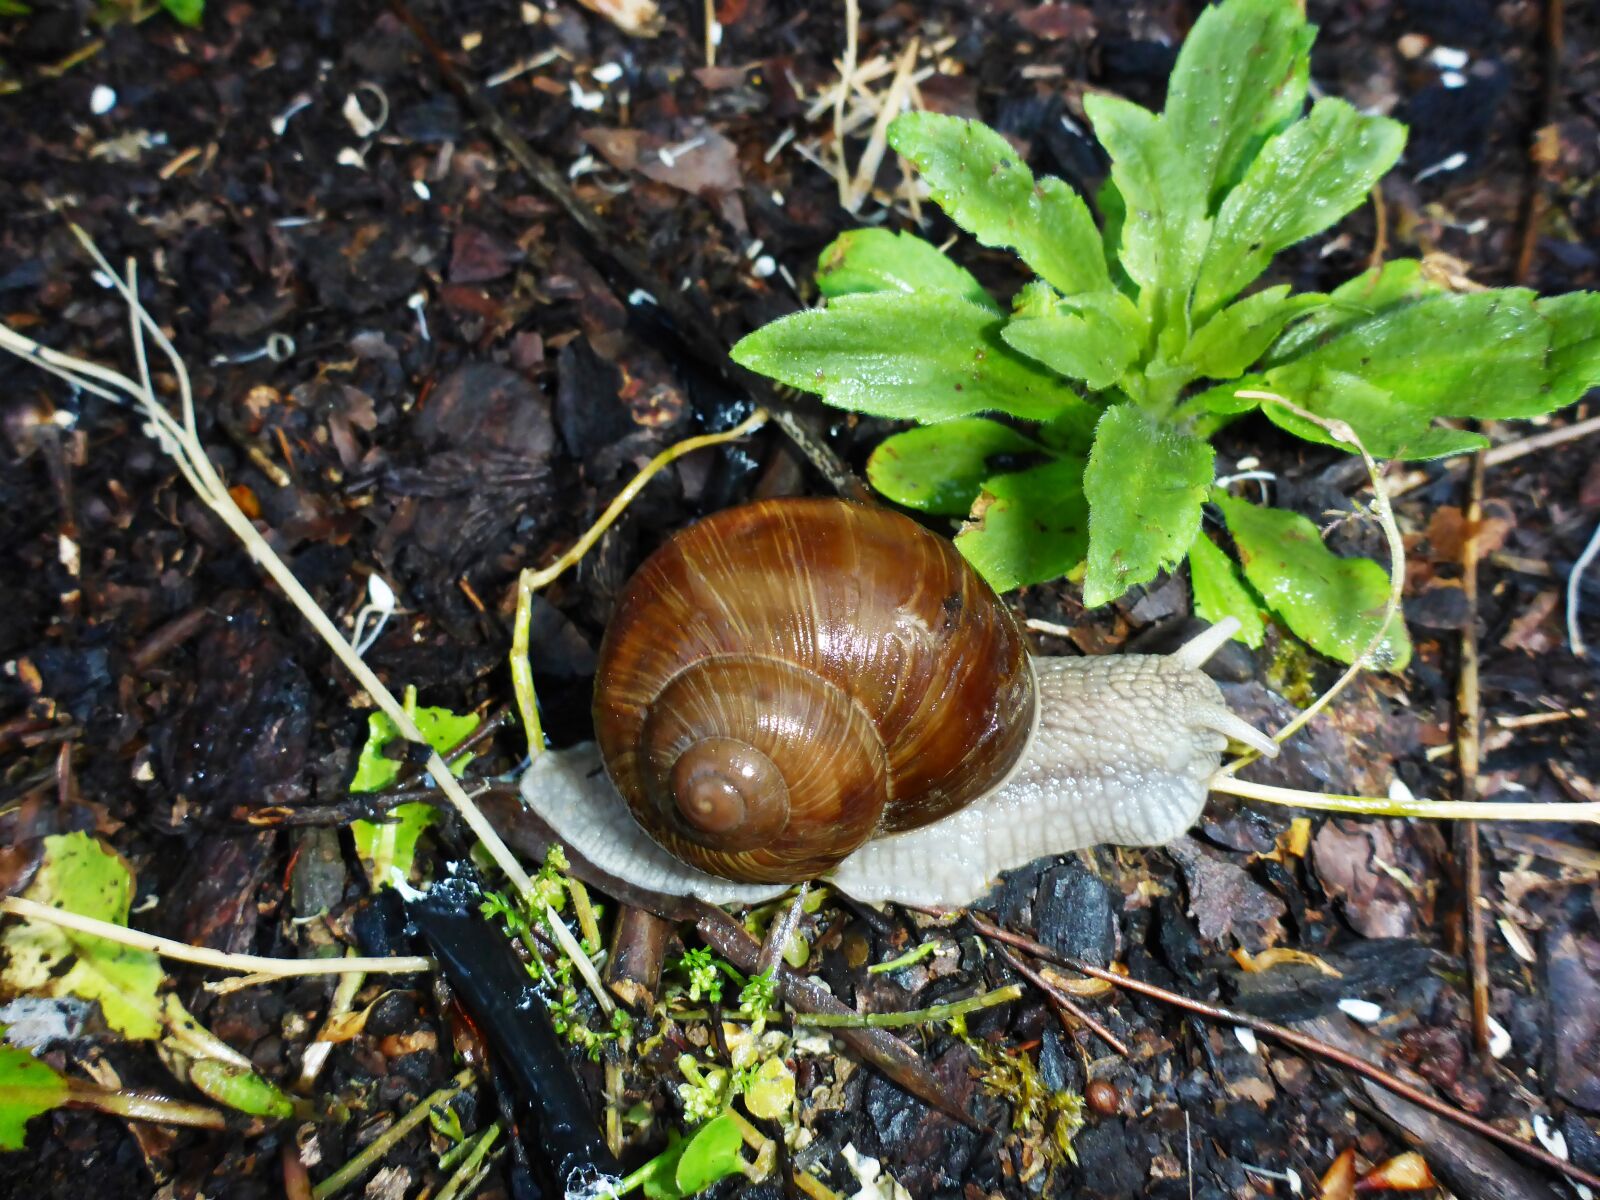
(530, 581)
(1469, 729)
(1291, 1037)
(143, 1106)
(918, 1016)
(1436, 810)
(255, 964)
(1064, 1003)
(182, 444)
(638, 949)
(781, 932)
(384, 1142)
(1342, 432)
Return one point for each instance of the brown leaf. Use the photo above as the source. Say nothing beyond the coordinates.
(1535, 630)
(1224, 900)
(1351, 863)
(1339, 1183)
(1406, 1172)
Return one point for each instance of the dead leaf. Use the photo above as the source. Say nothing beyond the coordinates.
(1362, 867)
(1224, 900)
(1339, 1183)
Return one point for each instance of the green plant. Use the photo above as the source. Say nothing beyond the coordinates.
(1136, 342)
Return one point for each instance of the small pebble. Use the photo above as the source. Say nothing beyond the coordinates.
(102, 100)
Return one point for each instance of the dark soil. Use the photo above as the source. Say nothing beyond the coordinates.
(154, 689)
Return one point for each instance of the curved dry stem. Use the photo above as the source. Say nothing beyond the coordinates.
(1436, 810)
(180, 440)
(531, 581)
(254, 964)
(1342, 432)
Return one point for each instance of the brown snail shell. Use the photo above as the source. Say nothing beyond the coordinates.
(785, 681)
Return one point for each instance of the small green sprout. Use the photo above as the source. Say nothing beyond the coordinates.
(706, 1093)
(705, 973)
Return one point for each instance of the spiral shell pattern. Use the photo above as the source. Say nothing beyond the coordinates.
(846, 646)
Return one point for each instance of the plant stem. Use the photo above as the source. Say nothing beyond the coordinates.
(1440, 810)
(384, 1142)
(142, 1106)
(249, 963)
(1341, 431)
(895, 1020)
(910, 957)
(181, 442)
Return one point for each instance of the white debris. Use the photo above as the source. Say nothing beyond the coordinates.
(1364, 1011)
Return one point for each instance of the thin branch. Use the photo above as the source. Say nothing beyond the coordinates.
(384, 1142)
(1065, 1004)
(1434, 810)
(253, 964)
(1298, 1040)
(1469, 729)
(182, 444)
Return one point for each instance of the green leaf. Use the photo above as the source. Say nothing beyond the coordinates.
(185, 12)
(939, 468)
(387, 847)
(977, 178)
(1304, 180)
(929, 356)
(1145, 483)
(28, 1087)
(1226, 345)
(875, 260)
(80, 875)
(1028, 526)
(1333, 604)
(1240, 77)
(1488, 355)
(1094, 340)
(658, 1178)
(1373, 290)
(1164, 227)
(1219, 592)
(713, 1153)
(240, 1089)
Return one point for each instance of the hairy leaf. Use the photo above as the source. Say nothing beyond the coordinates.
(875, 260)
(388, 847)
(1485, 355)
(28, 1087)
(80, 875)
(1334, 604)
(1145, 483)
(977, 178)
(1373, 290)
(939, 468)
(1028, 526)
(1240, 77)
(1227, 344)
(1304, 180)
(1164, 227)
(1219, 592)
(929, 356)
(1093, 341)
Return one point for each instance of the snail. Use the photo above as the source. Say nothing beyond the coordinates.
(808, 688)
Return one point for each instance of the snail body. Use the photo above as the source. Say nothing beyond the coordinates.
(799, 688)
